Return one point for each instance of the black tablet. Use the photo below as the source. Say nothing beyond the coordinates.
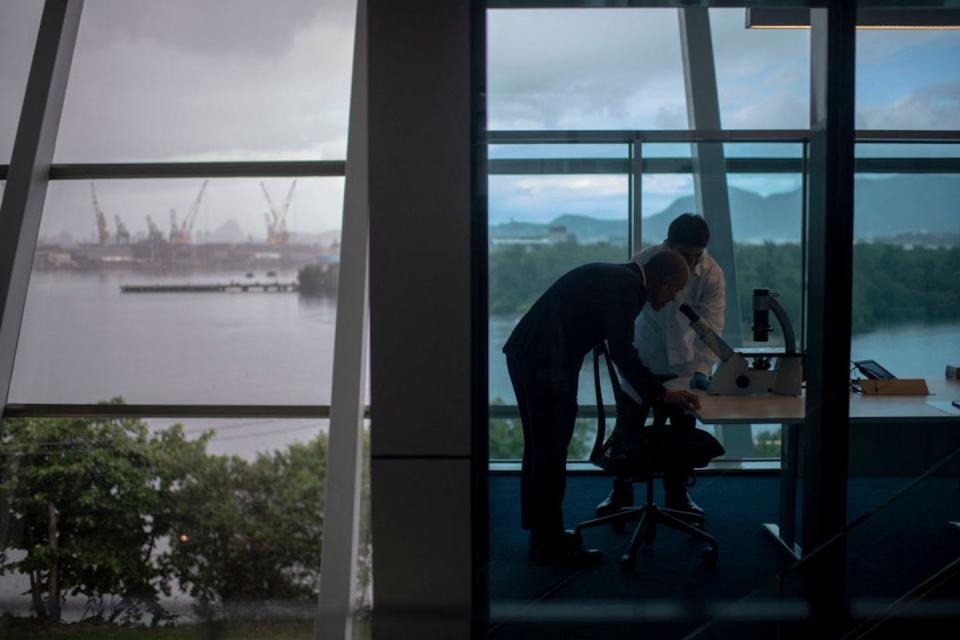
(874, 371)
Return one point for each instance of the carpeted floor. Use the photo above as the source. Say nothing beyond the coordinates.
(671, 593)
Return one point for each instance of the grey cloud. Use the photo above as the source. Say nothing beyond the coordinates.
(234, 27)
(934, 107)
(623, 68)
(588, 63)
(135, 100)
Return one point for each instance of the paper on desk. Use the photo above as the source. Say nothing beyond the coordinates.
(945, 406)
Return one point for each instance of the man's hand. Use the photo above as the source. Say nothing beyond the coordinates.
(682, 399)
(699, 381)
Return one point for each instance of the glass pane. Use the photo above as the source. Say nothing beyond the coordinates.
(19, 22)
(181, 80)
(584, 69)
(907, 79)
(202, 329)
(540, 228)
(763, 75)
(903, 496)
(767, 218)
(202, 522)
(907, 150)
(558, 151)
(906, 257)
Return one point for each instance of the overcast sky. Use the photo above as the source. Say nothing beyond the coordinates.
(254, 80)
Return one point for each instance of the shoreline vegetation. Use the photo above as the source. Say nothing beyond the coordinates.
(116, 517)
(892, 284)
(318, 279)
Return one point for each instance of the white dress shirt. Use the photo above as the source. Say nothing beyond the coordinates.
(664, 338)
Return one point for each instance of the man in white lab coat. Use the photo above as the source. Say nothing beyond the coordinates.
(668, 345)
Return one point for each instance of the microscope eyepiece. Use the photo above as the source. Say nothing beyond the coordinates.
(761, 315)
(690, 313)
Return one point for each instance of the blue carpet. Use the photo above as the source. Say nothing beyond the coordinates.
(905, 543)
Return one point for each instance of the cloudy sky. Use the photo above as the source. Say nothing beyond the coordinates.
(254, 80)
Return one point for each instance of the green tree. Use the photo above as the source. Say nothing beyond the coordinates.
(82, 507)
(250, 531)
(767, 444)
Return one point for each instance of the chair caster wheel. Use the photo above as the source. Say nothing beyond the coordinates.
(627, 562)
(710, 556)
(577, 537)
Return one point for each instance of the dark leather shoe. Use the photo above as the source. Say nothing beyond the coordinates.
(621, 496)
(680, 501)
(563, 549)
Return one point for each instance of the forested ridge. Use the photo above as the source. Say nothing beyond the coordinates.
(892, 284)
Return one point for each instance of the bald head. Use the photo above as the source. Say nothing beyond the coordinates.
(667, 274)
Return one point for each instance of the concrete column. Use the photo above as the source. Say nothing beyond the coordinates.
(423, 271)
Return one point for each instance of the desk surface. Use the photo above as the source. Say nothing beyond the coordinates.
(790, 409)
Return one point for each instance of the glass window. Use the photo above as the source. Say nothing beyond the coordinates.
(906, 257)
(19, 22)
(541, 226)
(203, 520)
(766, 217)
(181, 80)
(584, 69)
(908, 79)
(763, 75)
(154, 313)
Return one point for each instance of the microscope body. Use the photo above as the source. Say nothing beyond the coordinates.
(736, 376)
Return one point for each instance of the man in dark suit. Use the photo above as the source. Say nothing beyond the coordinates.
(586, 306)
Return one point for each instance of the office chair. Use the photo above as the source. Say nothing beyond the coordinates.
(639, 453)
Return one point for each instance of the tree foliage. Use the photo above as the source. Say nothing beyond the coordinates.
(892, 283)
(83, 511)
(118, 515)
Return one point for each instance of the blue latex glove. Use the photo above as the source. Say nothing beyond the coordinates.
(699, 381)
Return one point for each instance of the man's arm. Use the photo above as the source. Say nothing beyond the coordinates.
(711, 307)
(619, 318)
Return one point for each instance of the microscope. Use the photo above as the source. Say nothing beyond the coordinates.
(766, 372)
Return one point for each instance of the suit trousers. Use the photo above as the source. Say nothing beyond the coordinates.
(547, 399)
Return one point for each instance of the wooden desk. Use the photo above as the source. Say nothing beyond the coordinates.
(789, 412)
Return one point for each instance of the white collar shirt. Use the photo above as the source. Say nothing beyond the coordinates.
(664, 339)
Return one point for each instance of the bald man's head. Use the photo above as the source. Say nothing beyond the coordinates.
(667, 274)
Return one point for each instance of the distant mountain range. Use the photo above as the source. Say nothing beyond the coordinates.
(905, 204)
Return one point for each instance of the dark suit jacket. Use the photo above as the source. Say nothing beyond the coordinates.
(586, 306)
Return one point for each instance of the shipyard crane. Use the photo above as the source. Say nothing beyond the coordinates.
(122, 236)
(277, 224)
(174, 227)
(182, 234)
(103, 234)
(153, 231)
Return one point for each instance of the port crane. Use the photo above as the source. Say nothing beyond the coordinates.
(276, 219)
(153, 231)
(122, 236)
(182, 234)
(103, 234)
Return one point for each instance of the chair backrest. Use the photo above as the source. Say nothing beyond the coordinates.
(635, 450)
(628, 411)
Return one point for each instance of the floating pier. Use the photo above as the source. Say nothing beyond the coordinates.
(222, 287)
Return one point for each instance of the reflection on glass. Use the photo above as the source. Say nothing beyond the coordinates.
(141, 522)
(202, 311)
